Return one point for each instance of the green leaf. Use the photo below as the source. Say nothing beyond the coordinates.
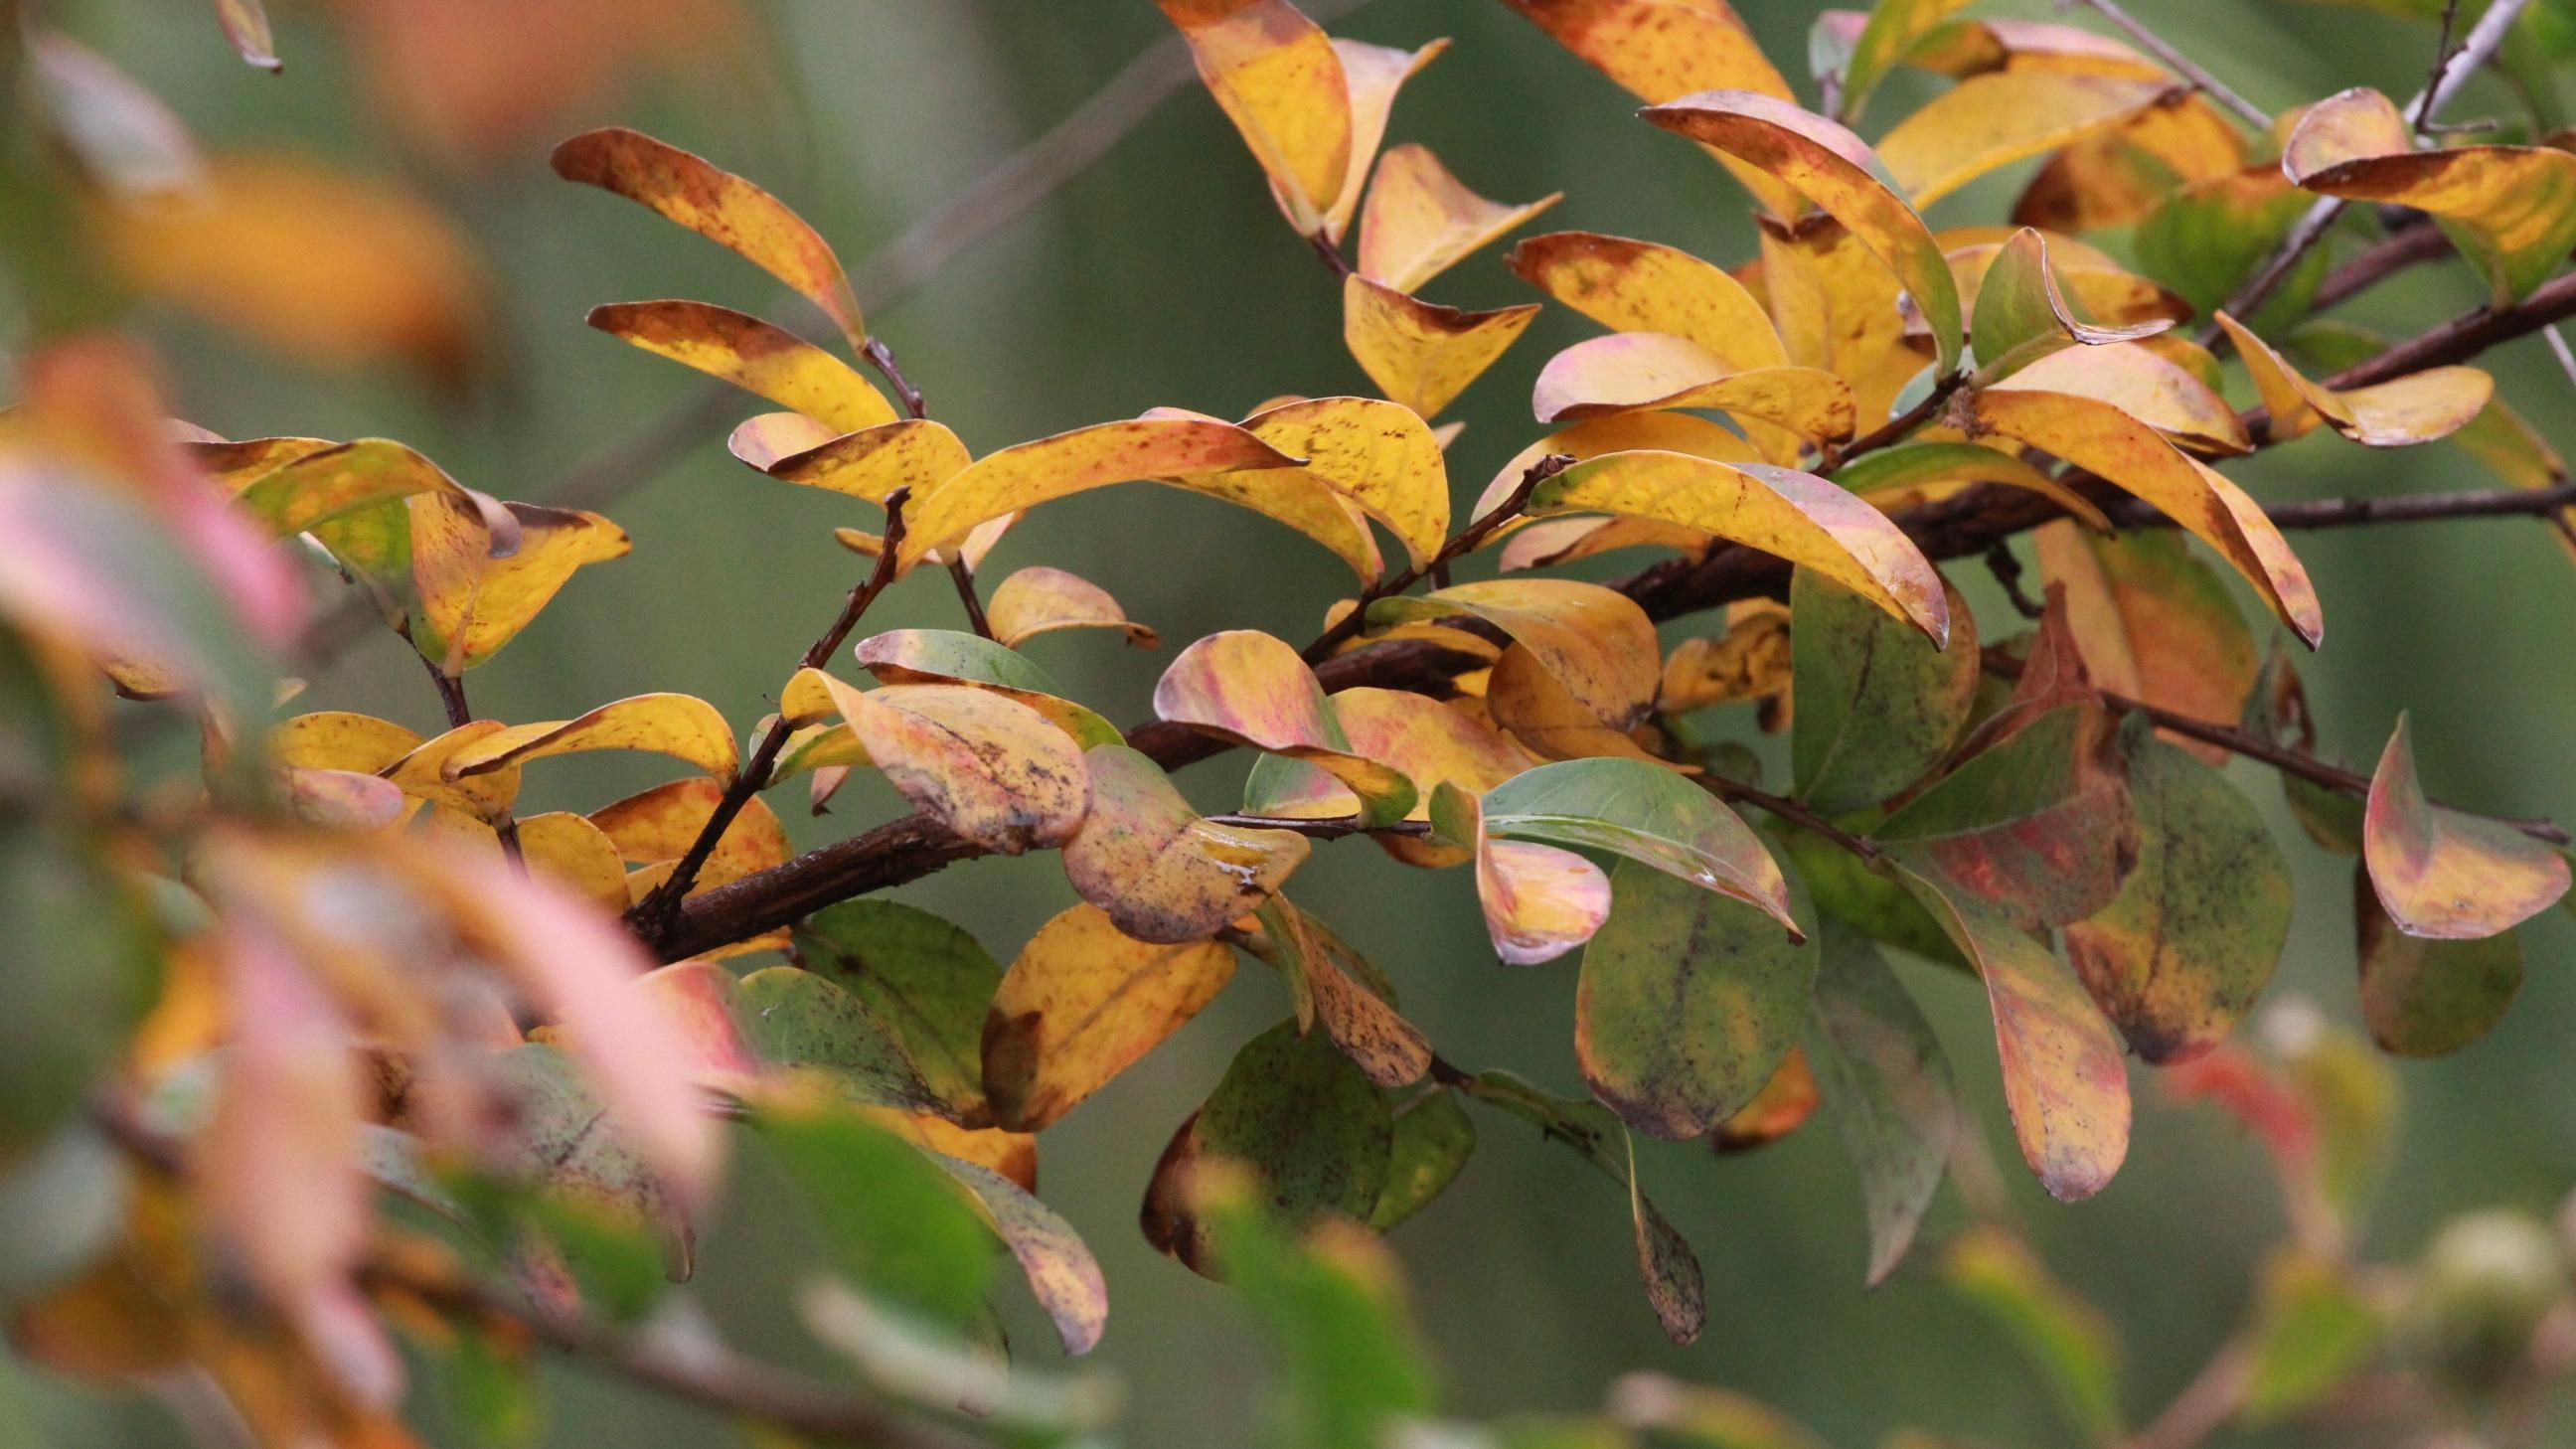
(1665, 1261)
(797, 1020)
(594, 1196)
(2179, 955)
(893, 1223)
(1434, 1136)
(2428, 998)
(1688, 1001)
(1876, 704)
(2063, 1336)
(83, 969)
(1870, 902)
(2206, 239)
(923, 977)
(1887, 1085)
(2038, 826)
(1647, 814)
(2312, 1330)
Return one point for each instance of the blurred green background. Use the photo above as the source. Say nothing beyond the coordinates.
(1162, 276)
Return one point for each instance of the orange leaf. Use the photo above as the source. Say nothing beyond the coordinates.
(996, 771)
(2153, 389)
(1163, 874)
(1079, 1005)
(1637, 286)
(1253, 689)
(1040, 600)
(1277, 77)
(1633, 370)
(2444, 874)
(1993, 120)
(753, 355)
(1593, 640)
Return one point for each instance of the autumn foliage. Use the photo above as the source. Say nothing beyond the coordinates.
(393, 1075)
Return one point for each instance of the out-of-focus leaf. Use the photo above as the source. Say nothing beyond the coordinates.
(2417, 408)
(1313, 1129)
(124, 138)
(1860, 63)
(1976, 45)
(1877, 704)
(1278, 78)
(2510, 209)
(597, 1193)
(679, 725)
(2097, 436)
(2064, 1337)
(1081, 1003)
(1887, 1086)
(1041, 600)
(925, 979)
(1988, 121)
(1795, 515)
(756, 356)
(2115, 177)
(88, 969)
(1783, 1105)
(1420, 353)
(1832, 168)
(1058, 1264)
(1175, 448)
(1658, 51)
(245, 24)
(2313, 1329)
(824, 1035)
(1703, 1418)
(1420, 220)
(2022, 314)
(894, 1224)
(2206, 239)
(1638, 286)
(2443, 874)
(1252, 689)
(1434, 1136)
(2179, 955)
(1646, 814)
(1909, 475)
(1163, 874)
(2154, 623)
(2428, 998)
(720, 206)
(1376, 454)
(1688, 1002)
(333, 267)
(1332, 1300)
(1665, 1261)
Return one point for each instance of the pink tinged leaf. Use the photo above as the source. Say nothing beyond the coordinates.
(1060, 1268)
(1540, 902)
(2445, 874)
(697, 999)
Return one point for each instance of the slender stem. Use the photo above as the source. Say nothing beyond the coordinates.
(2454, 68)
(1330, 255)
(1795, 813)
(2181, 64)
(451, 697)
(2280, 757)
(654, 913)
(1897, 428)
(1464, 542)
(964, 578)
(881, 357)
(2442, 53)
(1332, 828)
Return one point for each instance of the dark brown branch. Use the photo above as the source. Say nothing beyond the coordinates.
(2181, 64)
(881, 357)
(1898, 428)
(653, 913)
(1465, 542)
(1795, 813)
(2407, 245)
(964, 578)
(1330, 255)
(1337, 827)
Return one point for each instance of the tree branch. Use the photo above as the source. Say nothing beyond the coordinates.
(1464, 542)
(2181, 64)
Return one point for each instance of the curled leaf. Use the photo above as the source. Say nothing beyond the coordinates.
(1423, 354)
(1420, 220)
(2417, 408)
(679, 725)
(1987, 121)
(2445, 875)
(1631, 370)
(1253, 689)
(1041, 600)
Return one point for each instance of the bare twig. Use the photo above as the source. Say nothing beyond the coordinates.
(1897, 428)
(1795, 813)
(881, 357)
(964, 578)
(2181, 64)
(2449, 73)
(2442, 53)
(1465, 542)
(653, 913)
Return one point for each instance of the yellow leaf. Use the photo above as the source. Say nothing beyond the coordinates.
(1377, 454)
(1252, 689)
(1988, 121)
(1637, 286)
(1541, 713)
(310, 489)
(1797, 516)
(2098, 437)
(1594, 640)
(1540, 901)
(1040, 600)
(471, 603)
(1838, 307)
(2147, 386)
(1434, 742)
(1548, 542)
(1027, 474)
(1161, 872)
(753, 355)
(720, 206)
(1830, 167)
(943, 656)
(1374, 73)
(679, 725)
(2115, 177)
(1422, 354)
(338, 740)
(1658, 50)
(332, 267)
(422, 774)
(655, 827)
(2512, 209)
(1420, 220)
(1910, 475)
(914, 453)
(1628, 371)
(1277, 77)
(1973, 47)
(1079, 1005)
(572, 850)
(2445, 875)
(994, 770)
(2417, 408)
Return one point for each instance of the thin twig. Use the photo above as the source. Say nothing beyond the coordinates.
(2454, 69)
(460, 713)
(881, 357)
(964, 577)
(2181, 64)
(1330, 255)
(2005, 565)
(2280, 757)
(1897, 428)
(653, 913)
(2442, 53)
(1465, 542)
(1332, 828)
(1795, 813)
